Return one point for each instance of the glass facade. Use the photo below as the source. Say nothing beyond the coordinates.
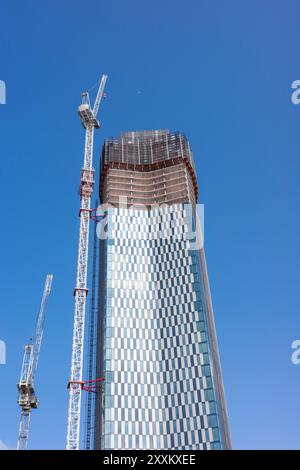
(157, 349)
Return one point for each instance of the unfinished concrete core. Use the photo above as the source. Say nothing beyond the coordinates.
(148, 168)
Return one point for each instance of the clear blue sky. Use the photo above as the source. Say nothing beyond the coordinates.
(219, 71)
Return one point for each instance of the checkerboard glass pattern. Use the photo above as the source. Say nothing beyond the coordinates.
(159, 390)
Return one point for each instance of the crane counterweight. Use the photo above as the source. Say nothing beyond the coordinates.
(87, 117)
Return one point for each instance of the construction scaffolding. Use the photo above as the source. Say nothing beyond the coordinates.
(148, 168)
(146, 147)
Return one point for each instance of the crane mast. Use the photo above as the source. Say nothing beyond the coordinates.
(27, 396)
(88, 117)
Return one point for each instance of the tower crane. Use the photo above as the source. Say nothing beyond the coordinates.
(26, 387)
(88, 117)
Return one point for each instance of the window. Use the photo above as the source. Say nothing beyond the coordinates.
(212, 421)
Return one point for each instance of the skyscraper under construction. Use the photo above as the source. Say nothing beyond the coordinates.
(156, 343)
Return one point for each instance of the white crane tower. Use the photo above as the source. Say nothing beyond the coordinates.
(88, 117)
(27, 397)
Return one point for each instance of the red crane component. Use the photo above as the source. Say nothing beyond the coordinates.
(88, 388)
